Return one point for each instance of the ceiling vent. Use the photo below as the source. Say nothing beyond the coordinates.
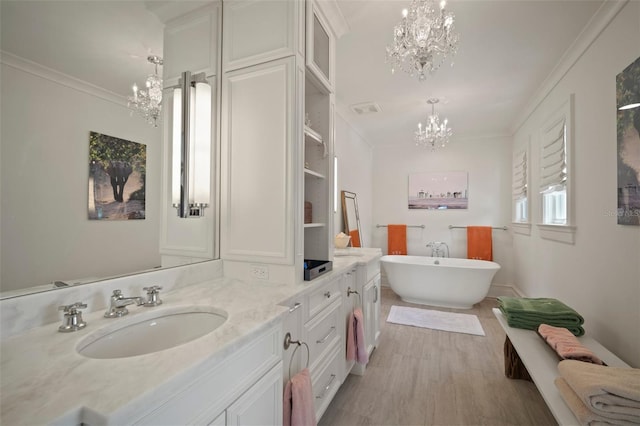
(365, 108)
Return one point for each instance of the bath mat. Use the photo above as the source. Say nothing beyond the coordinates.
(437, 320)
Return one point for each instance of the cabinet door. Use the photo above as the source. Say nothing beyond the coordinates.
(258, 31)
(191, 43)
(351, 302)
(320, 52)
(375, 328)
(258, 151)
(369, 296)
(261, 404)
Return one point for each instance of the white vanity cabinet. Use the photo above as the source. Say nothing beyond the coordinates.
(244, 388)
(324, 333)
(368, 284)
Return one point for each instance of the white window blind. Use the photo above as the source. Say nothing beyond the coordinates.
(519, 176)
(553, 173)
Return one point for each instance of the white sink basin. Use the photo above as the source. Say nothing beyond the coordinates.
(151, 332)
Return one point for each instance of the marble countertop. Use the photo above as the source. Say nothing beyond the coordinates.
(44, 379)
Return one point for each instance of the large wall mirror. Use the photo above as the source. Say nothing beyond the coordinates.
(351, 218)
(67, 70)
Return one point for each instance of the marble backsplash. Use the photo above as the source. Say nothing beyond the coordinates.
(22, 313)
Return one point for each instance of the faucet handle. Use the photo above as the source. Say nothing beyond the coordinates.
(152, 295)
(73, 308)
(72, 320)
(117, 293)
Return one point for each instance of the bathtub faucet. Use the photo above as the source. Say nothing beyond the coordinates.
(438, 249)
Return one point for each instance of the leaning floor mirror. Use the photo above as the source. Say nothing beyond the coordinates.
(351, 218)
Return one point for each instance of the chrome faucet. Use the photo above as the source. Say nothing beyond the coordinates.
(437, 249)
(118, 303)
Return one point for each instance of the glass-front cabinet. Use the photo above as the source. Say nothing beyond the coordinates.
(320, 47)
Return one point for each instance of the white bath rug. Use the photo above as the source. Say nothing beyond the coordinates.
(437, 320)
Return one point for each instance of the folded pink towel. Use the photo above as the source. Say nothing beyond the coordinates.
(356, 345)
(566, 344)
(298, 401)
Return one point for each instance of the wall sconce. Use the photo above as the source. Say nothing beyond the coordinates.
(191, 159)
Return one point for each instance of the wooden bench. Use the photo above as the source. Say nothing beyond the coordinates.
(542, 364)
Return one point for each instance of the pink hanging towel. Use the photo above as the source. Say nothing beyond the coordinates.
(356, 346)
(298, 401)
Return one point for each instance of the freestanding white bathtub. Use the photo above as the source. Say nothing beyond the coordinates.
(439, 281)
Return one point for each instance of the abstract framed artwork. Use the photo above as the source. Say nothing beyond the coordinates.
(438, 190)
(628, 135)
(117, 178)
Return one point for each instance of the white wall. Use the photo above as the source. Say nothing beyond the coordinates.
(355, 174)
(487, 161)
(599, 275)
(46, 233)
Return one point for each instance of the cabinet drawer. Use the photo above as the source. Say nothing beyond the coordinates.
(323, 332)
(320, 298)
(327, 382)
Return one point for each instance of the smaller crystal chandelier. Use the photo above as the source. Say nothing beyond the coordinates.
(147, 102)
(423, 39)
(434, 134)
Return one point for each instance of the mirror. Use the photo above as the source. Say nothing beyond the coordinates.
(67, 70)
(351, 218)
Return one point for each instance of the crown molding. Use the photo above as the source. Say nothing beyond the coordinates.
(596, 25)
(334, 15)
(25, 65)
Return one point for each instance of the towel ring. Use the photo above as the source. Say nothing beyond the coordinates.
(350, 292)
(287, 343)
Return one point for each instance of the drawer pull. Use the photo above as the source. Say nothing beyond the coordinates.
(296, 306)
(326, 388)
(324, 339)
(375, 289)
(327, 294)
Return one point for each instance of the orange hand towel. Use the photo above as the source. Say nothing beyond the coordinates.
(479, 243)
(355, 238)
(396, 239)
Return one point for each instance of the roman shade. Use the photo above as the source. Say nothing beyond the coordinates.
(553, 165)
(519, 176)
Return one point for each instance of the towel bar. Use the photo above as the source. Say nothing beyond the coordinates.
(408, 226)
(503, 228)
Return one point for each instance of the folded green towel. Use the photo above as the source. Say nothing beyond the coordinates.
(529, 313)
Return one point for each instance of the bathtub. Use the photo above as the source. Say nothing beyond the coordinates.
(439, 281)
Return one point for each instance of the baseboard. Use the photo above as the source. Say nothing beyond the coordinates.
(506, 290)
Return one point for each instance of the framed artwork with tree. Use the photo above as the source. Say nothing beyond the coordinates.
(117, 178)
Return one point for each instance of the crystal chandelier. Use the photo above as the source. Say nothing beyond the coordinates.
(434, 134)
(147, 102)
(423, 39)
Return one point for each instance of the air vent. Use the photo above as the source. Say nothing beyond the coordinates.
(365, 108)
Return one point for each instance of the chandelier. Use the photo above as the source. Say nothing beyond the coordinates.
(147, 102)
(434, 134)
(423, 39)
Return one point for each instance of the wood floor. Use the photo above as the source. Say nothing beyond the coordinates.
(419, 376)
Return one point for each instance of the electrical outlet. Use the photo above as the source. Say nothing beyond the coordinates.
(260, 272)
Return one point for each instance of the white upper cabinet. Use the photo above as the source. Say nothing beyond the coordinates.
(320, 46)
(257, 31)
(258, 126)
(191, 43)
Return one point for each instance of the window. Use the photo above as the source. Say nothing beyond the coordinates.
(555, 175)
(519, 184)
